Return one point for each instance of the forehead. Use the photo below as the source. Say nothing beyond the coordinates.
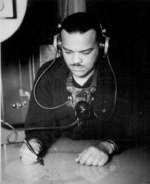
(77, 38)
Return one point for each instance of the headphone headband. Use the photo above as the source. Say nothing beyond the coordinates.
(104, 43)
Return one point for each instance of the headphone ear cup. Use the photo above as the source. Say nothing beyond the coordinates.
(57, 42)
(104, 46)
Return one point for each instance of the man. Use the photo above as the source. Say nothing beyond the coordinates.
(83, 76)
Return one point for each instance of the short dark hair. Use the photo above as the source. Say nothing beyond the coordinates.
(82, 22)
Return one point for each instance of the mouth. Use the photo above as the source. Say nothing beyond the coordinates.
(77, 68)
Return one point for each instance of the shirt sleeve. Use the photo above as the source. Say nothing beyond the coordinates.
(40, 120)
(120, 129)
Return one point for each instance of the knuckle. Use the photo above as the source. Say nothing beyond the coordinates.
(92, 149)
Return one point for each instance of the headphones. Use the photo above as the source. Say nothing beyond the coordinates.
(104, 44)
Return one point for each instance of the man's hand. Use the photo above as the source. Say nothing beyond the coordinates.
(26, 155)
(94, 155)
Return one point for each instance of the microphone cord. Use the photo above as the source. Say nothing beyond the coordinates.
(15, 132)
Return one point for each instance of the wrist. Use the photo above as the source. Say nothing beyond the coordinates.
(110, 146)
(107, 146)
(113, 145)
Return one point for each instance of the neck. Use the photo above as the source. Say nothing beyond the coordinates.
(82, 80)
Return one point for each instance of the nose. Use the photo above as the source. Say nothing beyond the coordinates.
(76, 58)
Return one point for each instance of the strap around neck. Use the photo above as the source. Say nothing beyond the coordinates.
(92, 87)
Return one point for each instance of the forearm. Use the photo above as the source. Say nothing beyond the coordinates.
(39, 125)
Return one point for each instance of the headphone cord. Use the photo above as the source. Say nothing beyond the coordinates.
(15, 132)
(35, 86)
(115, 95)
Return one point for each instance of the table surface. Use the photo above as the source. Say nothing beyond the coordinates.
(129, 167)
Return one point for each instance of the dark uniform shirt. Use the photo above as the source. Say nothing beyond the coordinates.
(109, 117)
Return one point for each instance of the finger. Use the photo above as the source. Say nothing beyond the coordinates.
(80, 155)
(28, 160)
(36, 147)
(104, 160)
(96, 162)
(90, 160)
(25, 150)
(27, 156)
(84, 157)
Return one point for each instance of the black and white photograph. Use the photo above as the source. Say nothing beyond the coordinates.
(75, 91)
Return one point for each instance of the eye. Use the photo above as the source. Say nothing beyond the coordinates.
(86, 52)
(68, 52)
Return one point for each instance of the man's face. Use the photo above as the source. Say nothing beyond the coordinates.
(80, 52)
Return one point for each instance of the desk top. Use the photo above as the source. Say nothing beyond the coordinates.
(129, 167)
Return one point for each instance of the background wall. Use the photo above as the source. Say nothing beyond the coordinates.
(128, 27)
(21, 57)
(127, 24)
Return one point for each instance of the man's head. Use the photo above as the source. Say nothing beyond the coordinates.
(80, 36)
(82, 22)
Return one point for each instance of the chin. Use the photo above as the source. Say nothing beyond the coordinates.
(79, 74)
